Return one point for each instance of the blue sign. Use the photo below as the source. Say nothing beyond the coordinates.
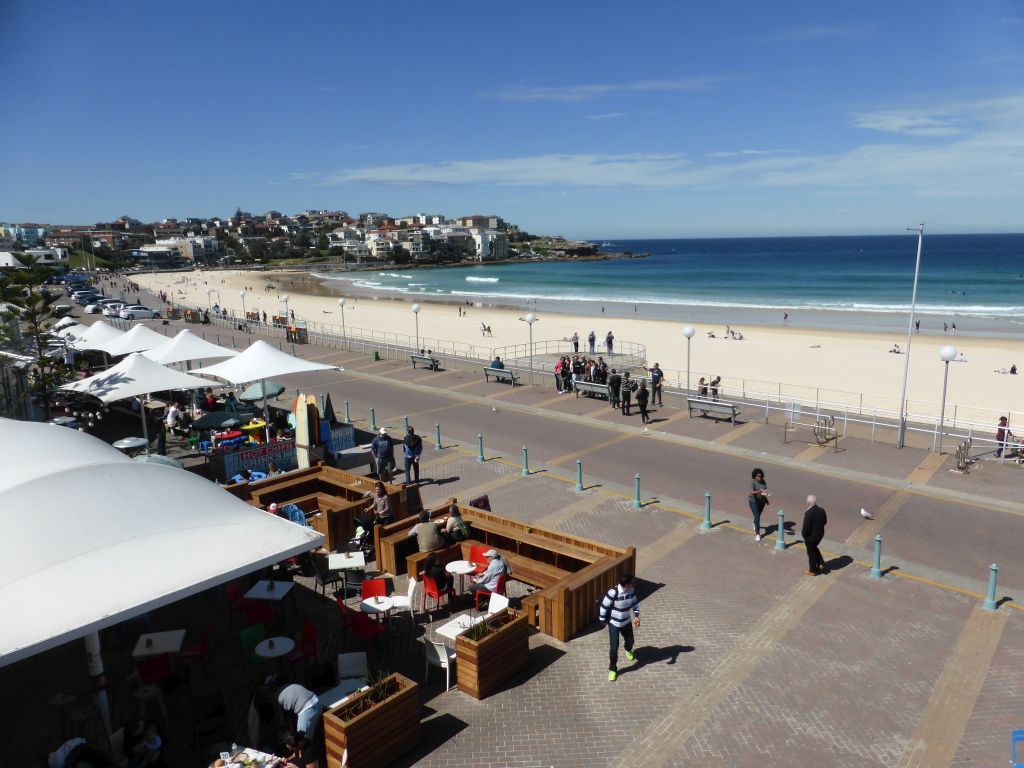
(1018, 740)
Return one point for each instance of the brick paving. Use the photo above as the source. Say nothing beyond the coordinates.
(741, 659)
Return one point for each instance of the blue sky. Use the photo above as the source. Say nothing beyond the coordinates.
(589, 119)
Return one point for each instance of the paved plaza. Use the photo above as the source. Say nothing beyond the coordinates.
(742, 659)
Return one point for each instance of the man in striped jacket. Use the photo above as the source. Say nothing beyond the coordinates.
(615, 610)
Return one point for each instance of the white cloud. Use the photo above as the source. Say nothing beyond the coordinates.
(607, 116)
(579, 93)
(809, 32)
(302, 176)
(909, 123)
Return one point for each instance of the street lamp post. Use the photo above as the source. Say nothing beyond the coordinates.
(910, 337)
(285, 300)
(530, 319)
(209, 298)
(688, 333)
(245, 317)
(341, 303)
(416, 314)
(946, 354)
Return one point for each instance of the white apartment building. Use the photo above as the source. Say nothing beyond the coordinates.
(491, 245)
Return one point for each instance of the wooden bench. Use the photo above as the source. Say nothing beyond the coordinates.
(430, 362)
(394, 544)
(534, 572)
(717, 409)
(414, 562)
(501, 374)
(593, 388)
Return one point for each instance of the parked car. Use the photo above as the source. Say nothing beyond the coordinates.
(113, 309)
(137, 312)
(97, 306)
(84, 299)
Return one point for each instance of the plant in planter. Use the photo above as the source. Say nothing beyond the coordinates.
(491, 652)
(375, 725)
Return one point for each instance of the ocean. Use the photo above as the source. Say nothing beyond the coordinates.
(976, 281)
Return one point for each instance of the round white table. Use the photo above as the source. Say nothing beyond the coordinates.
(282, 647)
(130, 444)
(376, 605)
(65, 421)
(461, 568)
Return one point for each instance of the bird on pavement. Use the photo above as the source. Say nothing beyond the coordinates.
(865, 514)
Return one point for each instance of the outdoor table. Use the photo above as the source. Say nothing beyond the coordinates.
(340, 692)
(250, 757)
(127, 444)
(65, 421)
(162, 642)
(282, 647)
(458, 625)
(462, 568)
(230, 435)
(375, 605)
(262, 590)
(346, 561)
(256, 429)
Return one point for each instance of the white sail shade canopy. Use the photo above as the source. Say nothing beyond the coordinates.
(138, 339)
(187, 346)
(261, 361)
(135, 375)
(79, 562)
(97, 335)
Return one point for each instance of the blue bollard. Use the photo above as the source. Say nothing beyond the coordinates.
(405, 422)
(437, 437)
(780, 542)
(348, 416)
(706, 525)
(373, 419)
(526, 463)
(579, 476)
(876, 567)
(480, 449)
(636, 491)
(990, 601)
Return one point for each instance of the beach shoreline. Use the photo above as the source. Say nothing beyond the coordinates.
(815, 358)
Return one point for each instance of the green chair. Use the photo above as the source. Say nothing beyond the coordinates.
(251, 637)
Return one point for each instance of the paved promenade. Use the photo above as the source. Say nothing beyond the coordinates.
(742, 660)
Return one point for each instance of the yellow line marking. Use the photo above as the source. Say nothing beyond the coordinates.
(604, 410)
(664, 546)
(590, 449)
(508, 392)
(545, 403)
(934, 741)
(735, 433)
(584, 504)
(812, 452)
(464, 385)
(398, 419)
(926, 469)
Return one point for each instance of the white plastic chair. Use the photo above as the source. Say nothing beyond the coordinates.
(407, 601)
(439, 655)
(496, 603)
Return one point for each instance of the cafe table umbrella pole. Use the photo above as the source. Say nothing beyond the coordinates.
(145, 427)
(266, 408)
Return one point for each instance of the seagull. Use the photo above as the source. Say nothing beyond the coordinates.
(646, 431)
(493, 409)
(865, 514)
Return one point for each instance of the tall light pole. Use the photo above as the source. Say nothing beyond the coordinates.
(946, 355)
(285, 300)
(688, 333)
(341, 303)
(910, 337)
(416, 314)
(530, 319)
(245, 317)
(209, 298)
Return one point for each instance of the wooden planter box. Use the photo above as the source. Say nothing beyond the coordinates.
(482, 666)
(378, 735)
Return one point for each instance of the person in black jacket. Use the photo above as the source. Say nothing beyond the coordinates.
(614, 384)
(626, 392)
(813, 531)
(642, 395)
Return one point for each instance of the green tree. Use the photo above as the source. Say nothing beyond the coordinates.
(322, 242)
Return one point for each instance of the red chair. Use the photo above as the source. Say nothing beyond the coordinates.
(498, 590)
(476, 555)
(306, 648)
(430, 590)
(200, 650)
(361, 626)
(154, 668)
(258, 612)
(374, 588)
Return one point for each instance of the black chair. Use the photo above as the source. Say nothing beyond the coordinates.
(324, 576)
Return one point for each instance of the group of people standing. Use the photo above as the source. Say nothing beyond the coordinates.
(609, 343)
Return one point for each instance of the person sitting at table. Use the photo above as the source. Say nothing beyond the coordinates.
(231, 403)
(146, 750)
(273, 470)
(304, 705)
(455, 528)
(209, 401)
(436, 571)
(295, 749)
(428, 537)
(488, 580)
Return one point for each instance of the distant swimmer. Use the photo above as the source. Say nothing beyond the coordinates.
(785, 317)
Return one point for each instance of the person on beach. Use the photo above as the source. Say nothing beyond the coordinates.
(657, 379)
(626, 392)
(642, 396)
(591, 340)
(757, 499)
(575, 343)
(813, 531)
(917, 326)
(614, 384)
(609, 340)
(616, 606)
(483, 329)
(715, 383)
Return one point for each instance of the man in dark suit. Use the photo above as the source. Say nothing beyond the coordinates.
(813, 532)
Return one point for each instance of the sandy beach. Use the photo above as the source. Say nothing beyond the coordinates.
(806, 361)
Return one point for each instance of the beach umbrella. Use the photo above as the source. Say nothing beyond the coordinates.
(71, 332)
(260, 362)
(187, 346)
(327, 411)
(138, 339)
(222, 419)
(261, 391)
(97, 335)
(64, 322)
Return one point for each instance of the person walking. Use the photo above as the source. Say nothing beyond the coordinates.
(609, 340)
(614, 385)
(626, 392)
(813, 531)
(591, 340)
(575, 343)
(657, 379)
(1003, 435)
(412, 446)
(642, 396)
(383, 454)
(757, 499)
(615, 611)
(715, 382)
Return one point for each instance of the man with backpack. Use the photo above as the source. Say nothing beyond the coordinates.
(616, 606)
(412, 446)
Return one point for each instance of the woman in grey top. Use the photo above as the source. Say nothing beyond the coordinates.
(757, 499)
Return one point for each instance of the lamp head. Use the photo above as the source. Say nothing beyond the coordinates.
(947, 353)
(241, 294)
(341, 302)
(688, 331)
(415, 309)
(530, 318)
(285, 298)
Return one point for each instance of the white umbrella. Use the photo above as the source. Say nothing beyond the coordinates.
(260, 362)
(135, 375)
(73, 331)
(120, 538)
(64, 322)
(96, 335)
(187, 346)
(138, 339)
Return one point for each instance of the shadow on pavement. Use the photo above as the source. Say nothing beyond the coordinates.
(838, 563)
(652, 655)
